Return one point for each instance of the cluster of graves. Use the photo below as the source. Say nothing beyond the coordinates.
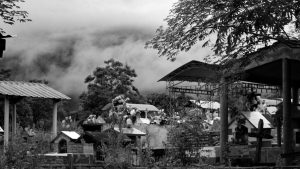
(247, 133)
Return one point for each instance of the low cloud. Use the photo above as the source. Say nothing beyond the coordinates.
(66, 49)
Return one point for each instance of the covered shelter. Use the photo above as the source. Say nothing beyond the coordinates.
(277, 65)
(13, 91)
(145, 109)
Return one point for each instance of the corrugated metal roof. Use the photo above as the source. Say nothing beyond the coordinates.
(26, 89)
(142, 107)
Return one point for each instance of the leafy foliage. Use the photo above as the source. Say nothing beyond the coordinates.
(117, 153)
(185, 139)
(25, 155)
(166, 102)
(106, 83)
(10, 12)
(232, 28)
(161, 101)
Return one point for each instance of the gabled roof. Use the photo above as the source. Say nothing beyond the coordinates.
(70, 134)
(26, 89)
(254, 116)
(142, 107)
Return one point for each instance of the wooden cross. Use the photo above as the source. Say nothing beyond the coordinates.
(260, 134)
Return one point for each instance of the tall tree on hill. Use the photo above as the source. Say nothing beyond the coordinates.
(10, 12)
(108, 82)
(232, 28)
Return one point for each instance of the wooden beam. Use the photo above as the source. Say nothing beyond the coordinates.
(6, 122)
(287, 127)
(224, 120)
(54, 118)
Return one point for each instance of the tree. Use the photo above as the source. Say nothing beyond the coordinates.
(10, 12)
(161, 101)
(232, 28)
(186, 139)
(106, 83)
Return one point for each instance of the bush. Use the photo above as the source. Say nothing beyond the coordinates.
(22, 154)
(185, 140)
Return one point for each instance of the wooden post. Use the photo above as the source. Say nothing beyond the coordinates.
(14, 120)
(6, 122)
(146, 113)
(259, 141)
(224, 120)
(279, 127)
(287, 127)
(279, 122)
(54, 118)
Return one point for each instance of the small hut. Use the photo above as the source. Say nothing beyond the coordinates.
(251, 122)
(71, 142)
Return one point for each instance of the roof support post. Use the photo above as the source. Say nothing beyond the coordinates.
(224, 120)
(14, 101)
(287, 127)
(54, 118)
(6, 122)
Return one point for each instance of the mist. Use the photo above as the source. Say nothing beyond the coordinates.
(66, 41)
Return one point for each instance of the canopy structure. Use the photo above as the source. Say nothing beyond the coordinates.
(13, 92)
(276, 65)
(265, 66)
(195, 71)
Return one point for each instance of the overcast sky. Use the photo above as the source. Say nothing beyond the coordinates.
(68, 39)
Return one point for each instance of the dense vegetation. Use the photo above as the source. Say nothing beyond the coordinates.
(231, 28)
